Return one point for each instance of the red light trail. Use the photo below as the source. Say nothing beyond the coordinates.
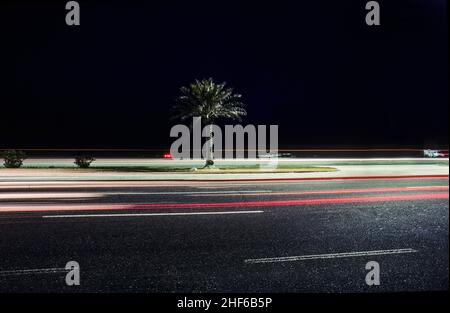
(245, 204)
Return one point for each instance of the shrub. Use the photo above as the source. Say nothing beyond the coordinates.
(84, 161)
(13, 158)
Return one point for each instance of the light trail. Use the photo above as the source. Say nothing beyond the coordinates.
(194, 183)
(152, 214)
(246, 204)
(320, 192)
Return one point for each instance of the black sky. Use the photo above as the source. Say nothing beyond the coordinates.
(313, 67)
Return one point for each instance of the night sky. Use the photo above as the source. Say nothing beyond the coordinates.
(313, 67)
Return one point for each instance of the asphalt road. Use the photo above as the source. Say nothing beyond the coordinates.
(305, 236)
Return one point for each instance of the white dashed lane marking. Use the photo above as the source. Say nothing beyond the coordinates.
(151, 214)
(330, 256)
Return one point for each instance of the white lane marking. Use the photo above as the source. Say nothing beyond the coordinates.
(330, 256)
(151, 214)
(33, 271)
(214, 187)
(33, 195)
(186, 192)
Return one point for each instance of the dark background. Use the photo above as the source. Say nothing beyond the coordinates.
(313, 67)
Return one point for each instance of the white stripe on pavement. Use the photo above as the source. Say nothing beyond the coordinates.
(187, 192)
(330, 256)
(151, 214)
(33, 271)
(48, 195)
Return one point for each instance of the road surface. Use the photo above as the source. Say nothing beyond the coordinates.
(286, 236)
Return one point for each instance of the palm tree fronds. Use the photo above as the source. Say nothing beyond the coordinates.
(211, 101)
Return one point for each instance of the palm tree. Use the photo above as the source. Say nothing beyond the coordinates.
(210, 101)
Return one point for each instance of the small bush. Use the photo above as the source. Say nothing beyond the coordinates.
(84, 161)
(13, 158)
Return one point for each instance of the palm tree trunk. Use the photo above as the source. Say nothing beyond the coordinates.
(210, 155)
